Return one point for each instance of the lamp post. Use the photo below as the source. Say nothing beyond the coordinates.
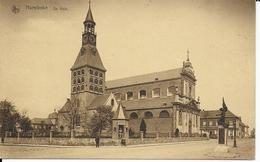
(235, 133)
(18, 128)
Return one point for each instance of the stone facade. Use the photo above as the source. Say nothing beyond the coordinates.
(164, 95)
(165, 100)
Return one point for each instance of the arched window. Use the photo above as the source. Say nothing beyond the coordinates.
(170, 91)
(133, 115)
(77, 120)
(96, 81)
(100, 75)
(91, 80)
(96, 73)
(82, 79)
(74, 73)
(164, 114)
(129, 95)
(78, 80)
(142, 94)
(74, 89)
(156, 92)
(91, 88)
(101, 90)
(180, 117)
(74, 81)
(78, 88)
(148, 115)
(82, 71)
(82, 87)
(78, 72)
(100, 82)
(112, 102)
(91, 71)
(96, 89)
(190, 91)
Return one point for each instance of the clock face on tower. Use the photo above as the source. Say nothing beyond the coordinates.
(92, 39)
(84, 40)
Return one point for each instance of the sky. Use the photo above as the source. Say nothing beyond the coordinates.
(38, 48)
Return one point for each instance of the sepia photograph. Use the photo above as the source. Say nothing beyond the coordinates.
(128, 79)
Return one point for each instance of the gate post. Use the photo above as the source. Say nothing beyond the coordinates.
(18, 136)
(6, 134)
(72, 135)
(142, 136)
(170, 135)
(51, 133)
(32, 135)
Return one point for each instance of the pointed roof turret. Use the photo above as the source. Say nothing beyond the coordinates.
(120, 113)
(89, 15)
(187, 66)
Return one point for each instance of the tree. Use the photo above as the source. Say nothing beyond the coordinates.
(25, 122)
(101, 120)
(72, 113)
(8, 117)
(143, 126)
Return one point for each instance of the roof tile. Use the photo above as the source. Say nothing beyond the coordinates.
(146, 78)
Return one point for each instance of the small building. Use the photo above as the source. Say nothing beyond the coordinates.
(209, 123)
(42, 125)
(45, 125)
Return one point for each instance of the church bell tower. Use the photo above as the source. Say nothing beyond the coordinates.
(88, 71)
(89, 35)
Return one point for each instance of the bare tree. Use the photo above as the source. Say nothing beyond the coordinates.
(72, 117)
(101, 120)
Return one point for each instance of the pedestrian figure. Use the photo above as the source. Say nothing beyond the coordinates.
(3, 139)
(123, 142)
(97, 141)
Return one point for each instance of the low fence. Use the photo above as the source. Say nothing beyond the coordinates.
(80, 141)
(136, 141)
(59, 141)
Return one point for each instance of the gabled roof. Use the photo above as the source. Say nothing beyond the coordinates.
(120, 112)
(146, 78)
(88, 56)
(148, 103)
(53, 115)
(98, 101)
(41, 121)
(66, 107)
(215, 114)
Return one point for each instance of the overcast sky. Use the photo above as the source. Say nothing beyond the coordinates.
(38, 48)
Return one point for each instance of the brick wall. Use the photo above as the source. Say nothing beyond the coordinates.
(162, 125)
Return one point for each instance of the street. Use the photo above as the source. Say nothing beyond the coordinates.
(184, 150)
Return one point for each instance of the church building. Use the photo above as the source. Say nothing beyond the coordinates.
(164, 100)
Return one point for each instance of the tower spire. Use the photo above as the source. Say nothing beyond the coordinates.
(89, 35)
(89, 15)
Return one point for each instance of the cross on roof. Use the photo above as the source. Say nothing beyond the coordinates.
(188, 52)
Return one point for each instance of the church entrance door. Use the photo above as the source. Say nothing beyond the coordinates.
(190, 128)
(120, 131)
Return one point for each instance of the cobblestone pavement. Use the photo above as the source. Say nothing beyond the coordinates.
(184, 150)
